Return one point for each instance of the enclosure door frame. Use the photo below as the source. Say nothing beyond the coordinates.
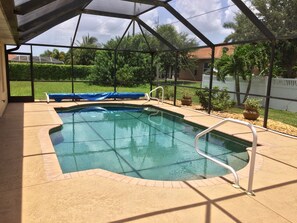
(20, 98)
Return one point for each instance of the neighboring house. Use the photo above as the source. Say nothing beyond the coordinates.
(36, 59)
(203, 57)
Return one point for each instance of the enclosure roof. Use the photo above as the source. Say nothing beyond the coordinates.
(30, 18)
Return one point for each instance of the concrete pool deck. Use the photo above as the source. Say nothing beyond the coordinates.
(28, 194)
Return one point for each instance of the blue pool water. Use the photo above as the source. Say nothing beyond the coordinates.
(141, 142)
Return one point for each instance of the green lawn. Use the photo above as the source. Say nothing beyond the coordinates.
(286, 117)
(23, 89)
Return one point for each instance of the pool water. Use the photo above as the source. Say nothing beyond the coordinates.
(141, 142)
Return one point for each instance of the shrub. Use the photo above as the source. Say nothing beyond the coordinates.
(21, 71)
(220, 100)
(128, 73)
(168, 93)
(125, 76)
(186, 94)
(102, 72)
(252, 104)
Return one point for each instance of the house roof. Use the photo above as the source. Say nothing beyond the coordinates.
(205, 53)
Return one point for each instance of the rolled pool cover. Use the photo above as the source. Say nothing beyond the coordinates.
(95, 96)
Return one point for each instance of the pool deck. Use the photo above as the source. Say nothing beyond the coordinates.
(31, 190)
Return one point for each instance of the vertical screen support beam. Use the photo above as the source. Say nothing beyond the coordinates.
(175, 77)
(115, 71)
(152, 72)
(211, 79)
(268, 90)
(32, 72)
(71, 52)
(72, 70)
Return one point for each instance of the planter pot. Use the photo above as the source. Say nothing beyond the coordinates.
(186, 101)
(250, 115)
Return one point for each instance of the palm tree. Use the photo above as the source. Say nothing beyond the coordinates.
(86, 56)
(242, 64)
(231, 65)
(88, 41)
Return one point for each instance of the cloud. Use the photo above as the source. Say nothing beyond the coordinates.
(151, 17)
(105, 28)
(58, 35)
(206, 17)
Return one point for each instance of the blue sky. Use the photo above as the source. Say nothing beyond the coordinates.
(104, 28)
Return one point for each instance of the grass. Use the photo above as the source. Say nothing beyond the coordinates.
(286, 117)
(22, 88)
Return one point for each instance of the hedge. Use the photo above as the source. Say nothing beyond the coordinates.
(21, 71)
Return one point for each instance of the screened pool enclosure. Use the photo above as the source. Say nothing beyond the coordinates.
(151, 42)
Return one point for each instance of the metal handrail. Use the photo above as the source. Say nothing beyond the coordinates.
(253, 155)
(156, 113)
(149, 97)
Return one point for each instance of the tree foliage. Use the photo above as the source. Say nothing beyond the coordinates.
(59, 55)
(244, 62)
(135, 68)
(280, 17)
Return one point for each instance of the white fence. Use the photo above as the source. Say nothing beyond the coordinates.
(281, 87)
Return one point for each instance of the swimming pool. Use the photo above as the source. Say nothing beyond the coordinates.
(141, 142)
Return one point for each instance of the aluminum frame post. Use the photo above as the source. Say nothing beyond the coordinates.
(115, 71)
(152, 67)
(268, 90)
(211, 79)
(72, 71)
(175, 77)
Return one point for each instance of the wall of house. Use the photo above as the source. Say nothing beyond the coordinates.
(3, 83)
(193, 75)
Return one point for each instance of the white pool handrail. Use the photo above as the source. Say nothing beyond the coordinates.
(47, 97)
(154, 114)
(253, 155)
(147, 95)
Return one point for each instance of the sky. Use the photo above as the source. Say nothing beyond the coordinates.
(203, 14)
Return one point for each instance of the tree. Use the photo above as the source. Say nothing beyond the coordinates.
(83, 56)
(280, 18)
(88, 41)
(167, 60)
(134, 68)
(231, 65)
(59, 55)
(242, 63)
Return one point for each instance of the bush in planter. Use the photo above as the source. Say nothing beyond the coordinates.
(168, 93)
(220, 100)
(187, 98)
(251, 108)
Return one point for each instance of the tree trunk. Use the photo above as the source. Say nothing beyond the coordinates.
(237, 89)
(248, 89)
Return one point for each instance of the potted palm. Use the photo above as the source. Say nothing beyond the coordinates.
(186, 99)
(251, 108)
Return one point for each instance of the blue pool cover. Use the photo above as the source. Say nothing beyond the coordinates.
(94, 96)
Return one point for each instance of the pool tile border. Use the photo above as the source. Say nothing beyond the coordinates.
(54, 172)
